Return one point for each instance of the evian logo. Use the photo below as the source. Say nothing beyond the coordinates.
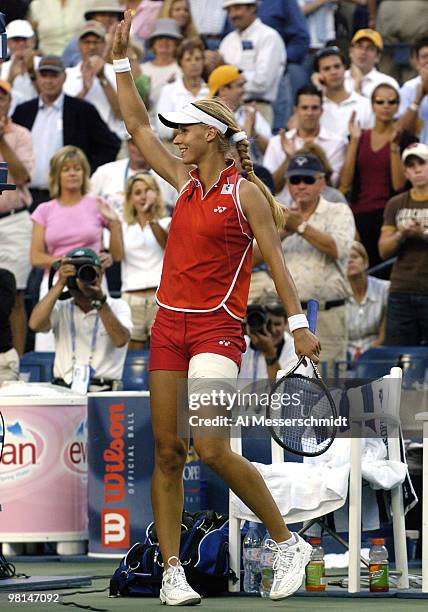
(22, 451)
(74, 456)
(115, 528)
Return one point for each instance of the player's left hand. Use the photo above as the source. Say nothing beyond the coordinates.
(306, 344)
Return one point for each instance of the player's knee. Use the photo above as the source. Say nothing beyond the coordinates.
(170, 457)
(211, 453)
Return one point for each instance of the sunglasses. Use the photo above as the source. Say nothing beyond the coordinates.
(308, 180)
(388, 102)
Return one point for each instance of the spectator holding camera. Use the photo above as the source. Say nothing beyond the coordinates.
(144, 239)
(73, 218)
(91, 330)
(270, 347)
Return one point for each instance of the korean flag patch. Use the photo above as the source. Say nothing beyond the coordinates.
(226, 189)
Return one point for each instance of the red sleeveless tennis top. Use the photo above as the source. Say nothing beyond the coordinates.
(208, 256)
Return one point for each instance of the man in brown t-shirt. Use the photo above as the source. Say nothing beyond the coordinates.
(405, 234)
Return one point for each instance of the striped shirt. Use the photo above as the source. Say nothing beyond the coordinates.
(364, 319)
(208, 16)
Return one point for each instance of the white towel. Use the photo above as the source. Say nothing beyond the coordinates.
(319, 485)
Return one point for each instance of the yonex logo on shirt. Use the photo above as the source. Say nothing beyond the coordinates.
(220, 209)
(224, 342)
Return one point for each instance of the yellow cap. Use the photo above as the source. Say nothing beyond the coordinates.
(223, 75)
(372, 35)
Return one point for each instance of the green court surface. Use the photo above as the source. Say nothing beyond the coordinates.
(95, 597)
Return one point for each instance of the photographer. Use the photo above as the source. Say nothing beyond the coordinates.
(91, 330)
(269, 347)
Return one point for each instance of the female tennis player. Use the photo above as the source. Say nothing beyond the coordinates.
(203, 292)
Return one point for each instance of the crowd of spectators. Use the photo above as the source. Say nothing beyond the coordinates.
(333, 95)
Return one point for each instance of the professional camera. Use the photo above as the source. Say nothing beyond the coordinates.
(86, 272)
(87, 266)
(257, 319)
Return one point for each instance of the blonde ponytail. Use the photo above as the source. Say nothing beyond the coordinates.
(216, 108)
(243, 151)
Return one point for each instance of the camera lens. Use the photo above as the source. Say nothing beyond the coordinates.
(256, 320)
(87, 274)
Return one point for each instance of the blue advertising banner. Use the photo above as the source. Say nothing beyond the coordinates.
(120, 465)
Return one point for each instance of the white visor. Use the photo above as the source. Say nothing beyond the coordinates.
(191, 114)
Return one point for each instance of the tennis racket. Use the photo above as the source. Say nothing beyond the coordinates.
(301, 411)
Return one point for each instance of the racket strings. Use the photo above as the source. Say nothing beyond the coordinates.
(303, 419)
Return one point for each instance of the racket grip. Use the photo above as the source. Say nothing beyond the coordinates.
(312, 314)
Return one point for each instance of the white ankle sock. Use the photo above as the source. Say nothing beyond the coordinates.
(292, 540)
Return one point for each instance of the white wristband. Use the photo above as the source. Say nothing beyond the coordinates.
(297, 322)
(122, 65)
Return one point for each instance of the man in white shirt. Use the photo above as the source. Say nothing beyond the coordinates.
(228, 83)
(91, 330)
(21, 67)
(339, 104)
(307, 112)
(365, 53)
(209, 18)
(257, 50)
(413, 110)
(93, 79)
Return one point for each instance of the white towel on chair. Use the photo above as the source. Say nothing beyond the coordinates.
(307, 490)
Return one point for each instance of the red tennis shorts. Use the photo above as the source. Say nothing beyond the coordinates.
(178, 336)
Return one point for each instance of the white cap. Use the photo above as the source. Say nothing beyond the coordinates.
(19, 28)
(191, 114)
(227, 3)
(418, 149)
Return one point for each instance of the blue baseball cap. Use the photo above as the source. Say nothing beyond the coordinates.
(305, 165)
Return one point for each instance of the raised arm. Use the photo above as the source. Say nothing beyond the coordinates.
(136, 118)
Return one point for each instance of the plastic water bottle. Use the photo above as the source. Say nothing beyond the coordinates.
(379, 567)
(315, 570)
(251, 554)
(266, 571)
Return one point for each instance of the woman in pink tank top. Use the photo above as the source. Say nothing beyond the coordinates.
(198, 332)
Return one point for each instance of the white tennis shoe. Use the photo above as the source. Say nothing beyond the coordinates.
(175, 590)
(289, 566)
